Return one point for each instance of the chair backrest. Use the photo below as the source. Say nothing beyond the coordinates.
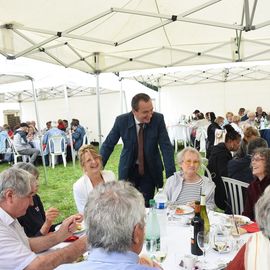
(235, 191)
(201, 136)
(57, 144)
(205, 169)
(13, 147)
(219, 136)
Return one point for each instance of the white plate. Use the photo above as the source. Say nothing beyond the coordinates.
(76, 232)
(186, 210)
(241, 220)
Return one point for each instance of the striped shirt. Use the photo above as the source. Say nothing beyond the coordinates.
(190, 192)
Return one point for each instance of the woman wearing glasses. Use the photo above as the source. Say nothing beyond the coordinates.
(186, 185)
(260, 163)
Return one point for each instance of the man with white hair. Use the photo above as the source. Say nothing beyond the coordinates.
(114, 219)
(16, 250)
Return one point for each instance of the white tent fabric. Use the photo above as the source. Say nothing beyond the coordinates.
(117, 35)
(205, 74)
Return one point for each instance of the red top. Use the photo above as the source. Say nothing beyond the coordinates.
(254, 192)
(238, 262)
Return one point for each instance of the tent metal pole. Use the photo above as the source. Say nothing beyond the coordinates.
(97, 59)
(69, 130)
(121, 95)
(98, 109)
(39, 128)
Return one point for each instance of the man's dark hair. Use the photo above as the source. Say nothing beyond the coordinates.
(75, 122)
(23, 125)
(137, 98)
(256, 143)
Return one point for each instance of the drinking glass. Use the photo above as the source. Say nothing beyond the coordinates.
(221, 241)
(203, 240)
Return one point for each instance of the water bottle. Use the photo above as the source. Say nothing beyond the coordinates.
(152, 233)
(161, 209)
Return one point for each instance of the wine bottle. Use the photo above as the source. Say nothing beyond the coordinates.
(204, 215)
(196, 226)
(152, 234)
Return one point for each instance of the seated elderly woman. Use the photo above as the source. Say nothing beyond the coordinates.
(255, 253)
(36, 221)
(91, 164)
(185, 186)
(260, 163)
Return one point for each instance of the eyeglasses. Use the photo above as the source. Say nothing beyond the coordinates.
(257, 159)
(191, 162)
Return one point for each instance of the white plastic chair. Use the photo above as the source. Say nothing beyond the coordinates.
(16, 155)
(201, 136)
(57, 147)
(205, 169)
(181, 134)
(234, 190)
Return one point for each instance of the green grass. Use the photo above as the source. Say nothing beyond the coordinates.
(58, 191)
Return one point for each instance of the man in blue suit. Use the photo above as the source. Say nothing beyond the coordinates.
(155, 138)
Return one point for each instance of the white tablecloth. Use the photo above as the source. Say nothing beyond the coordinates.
(179, 244)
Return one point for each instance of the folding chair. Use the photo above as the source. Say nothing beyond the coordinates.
(235, 191)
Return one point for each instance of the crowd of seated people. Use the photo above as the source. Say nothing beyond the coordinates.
(26, 139)
(97, 192)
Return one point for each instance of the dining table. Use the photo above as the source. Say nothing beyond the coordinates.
(178, 238)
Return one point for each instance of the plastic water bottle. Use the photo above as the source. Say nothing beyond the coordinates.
(161, 209)
(152, 234)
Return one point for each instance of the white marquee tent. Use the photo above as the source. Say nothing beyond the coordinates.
(117, 35)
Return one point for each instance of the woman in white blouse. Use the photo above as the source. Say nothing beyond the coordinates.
(91, 164)
(186, 185)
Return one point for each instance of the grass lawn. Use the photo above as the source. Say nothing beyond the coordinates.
(58, 191)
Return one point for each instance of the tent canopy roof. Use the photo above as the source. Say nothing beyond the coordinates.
(116, 35)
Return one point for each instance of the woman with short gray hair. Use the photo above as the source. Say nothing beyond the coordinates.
(255, 254)
(185, 186)
(36, 221)
(260, 163)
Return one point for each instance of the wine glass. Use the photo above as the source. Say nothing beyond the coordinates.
(203, 240)
(221, 241)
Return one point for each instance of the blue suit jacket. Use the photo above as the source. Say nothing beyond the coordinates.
(155, 137)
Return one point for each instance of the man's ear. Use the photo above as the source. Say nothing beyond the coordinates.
(9, 193)
(136, 234)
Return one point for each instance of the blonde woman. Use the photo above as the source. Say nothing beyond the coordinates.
(91, 164)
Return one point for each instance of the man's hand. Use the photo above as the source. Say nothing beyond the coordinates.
(145, 260)
(69, 226)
